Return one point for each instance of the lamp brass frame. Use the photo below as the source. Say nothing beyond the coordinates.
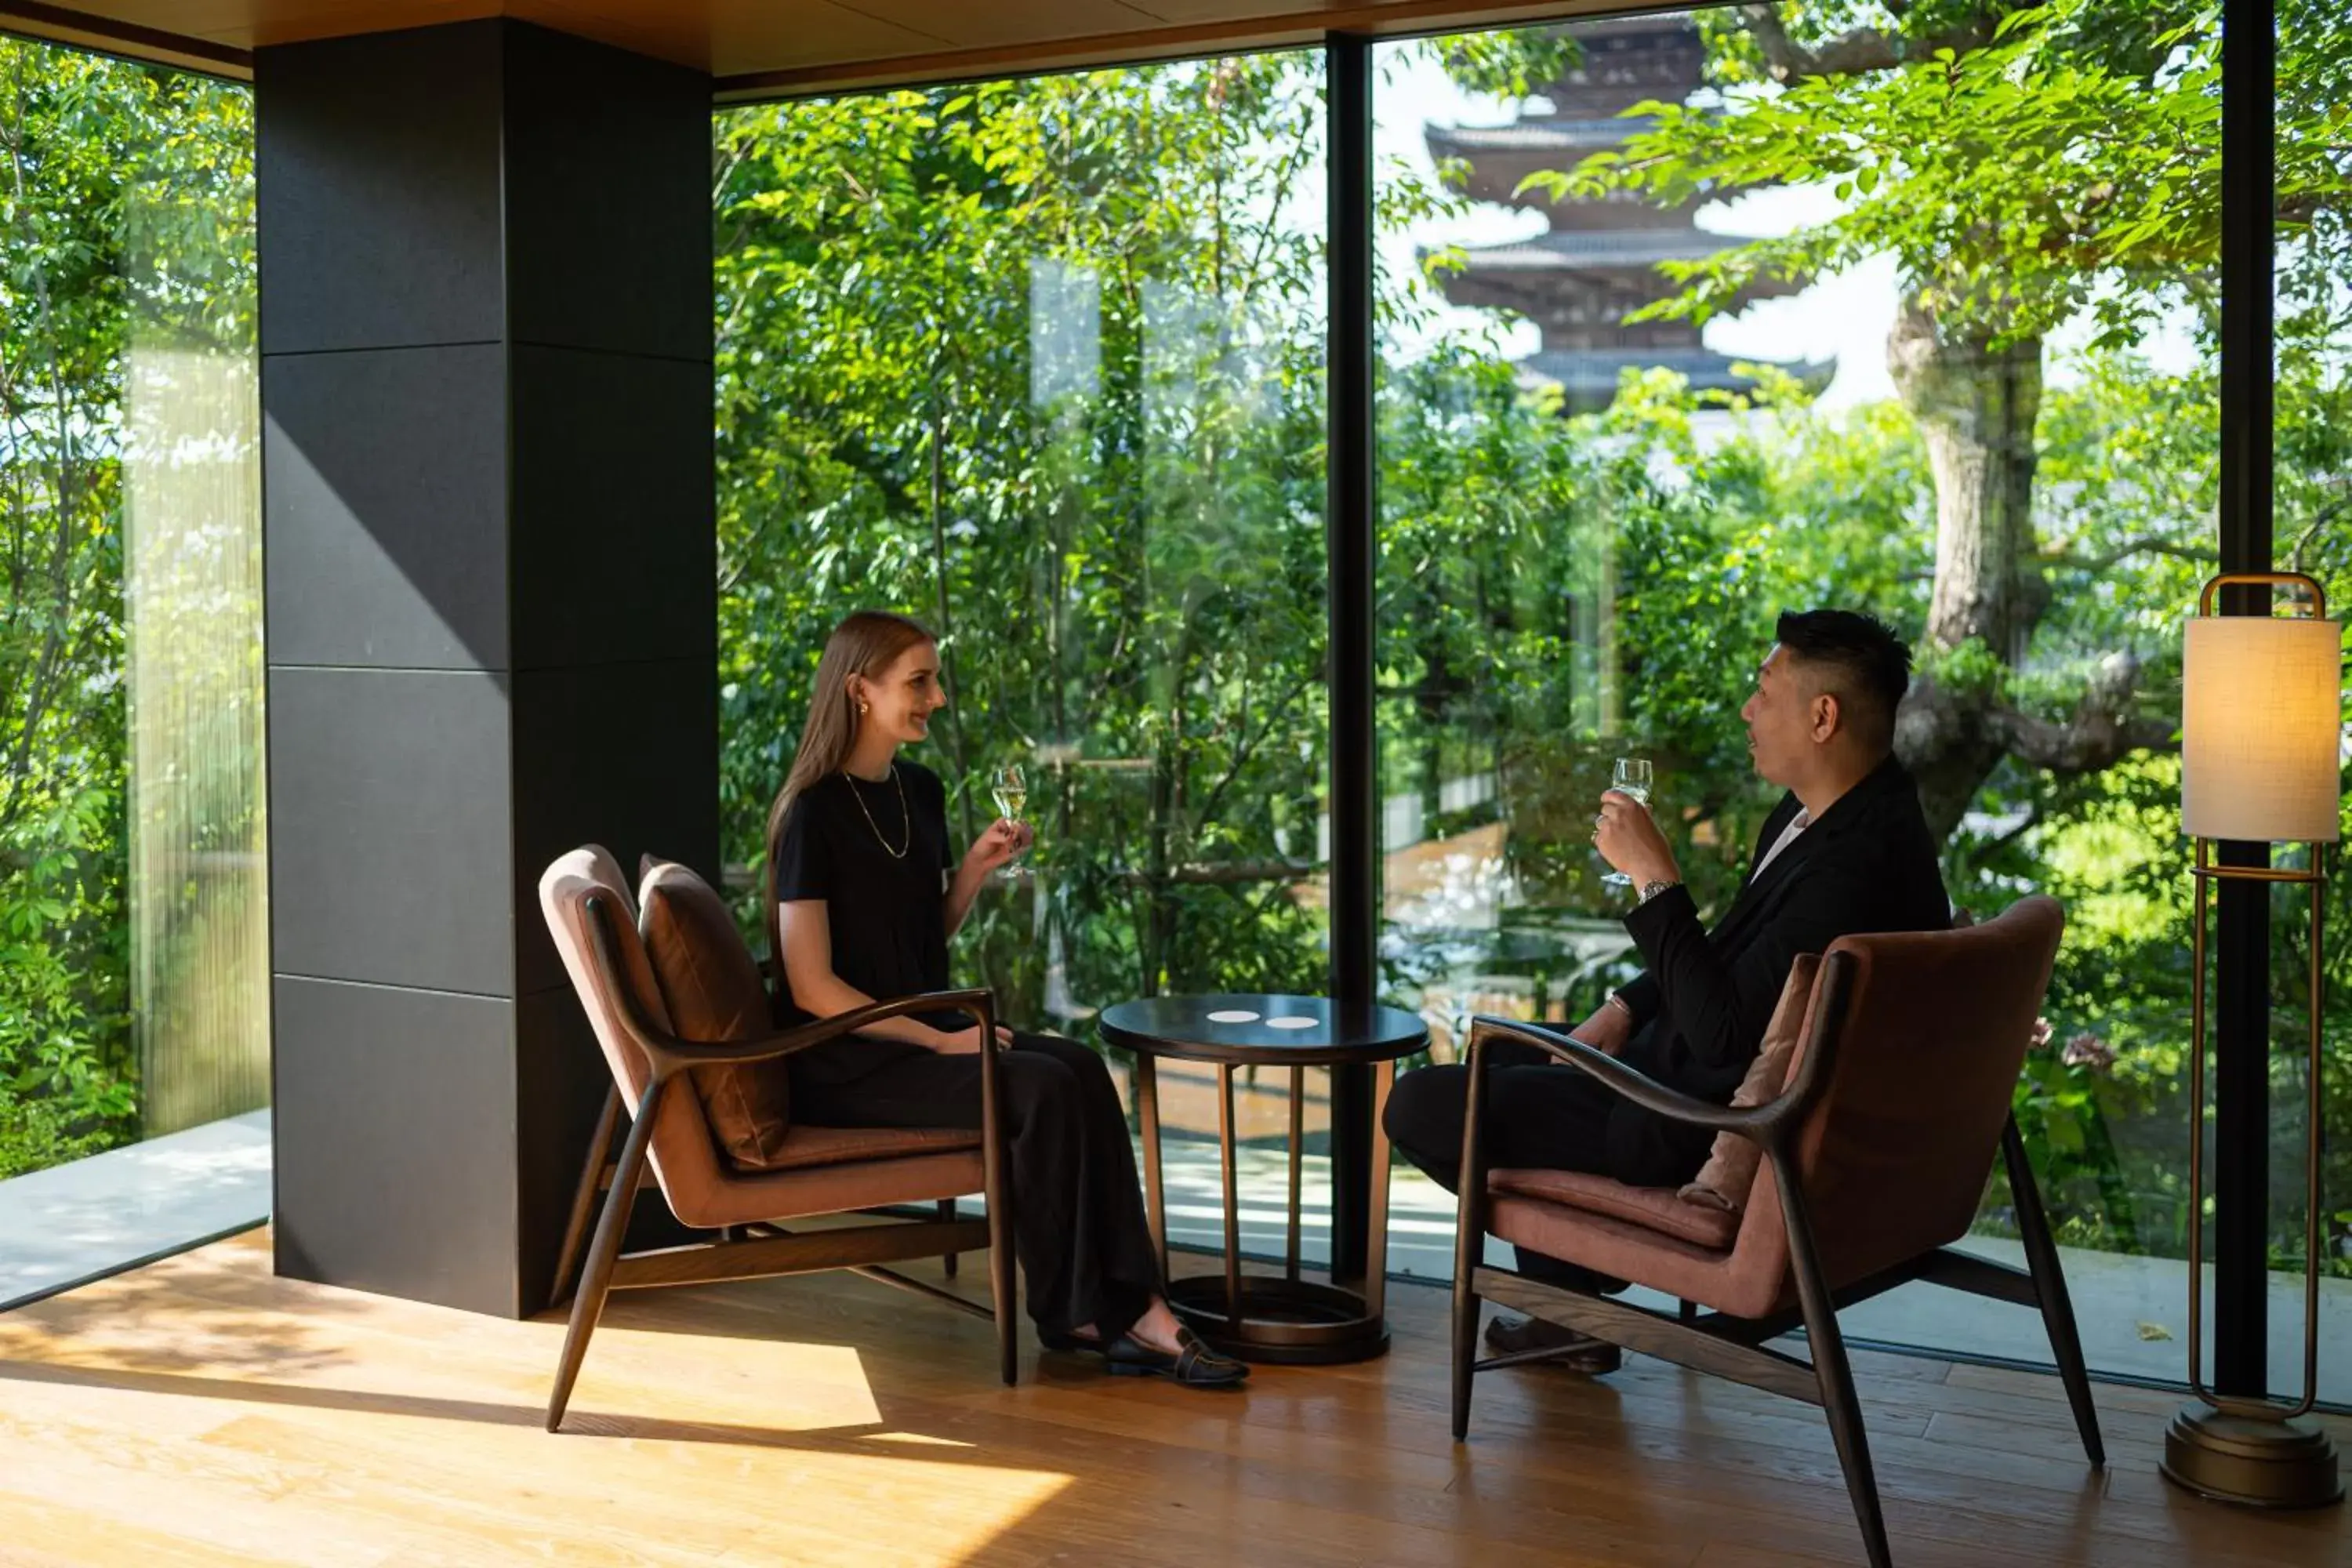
(2253, 1452)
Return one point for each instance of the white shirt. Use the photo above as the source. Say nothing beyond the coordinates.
(1797, 824)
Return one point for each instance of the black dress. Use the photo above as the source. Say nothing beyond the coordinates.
(1077, 1205)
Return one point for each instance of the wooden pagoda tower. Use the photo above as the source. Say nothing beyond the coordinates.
(1599, 261)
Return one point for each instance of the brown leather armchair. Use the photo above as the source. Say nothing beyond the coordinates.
(1876, 1154)
(816, 1170)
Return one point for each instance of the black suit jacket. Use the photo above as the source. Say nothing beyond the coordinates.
(1868, 864)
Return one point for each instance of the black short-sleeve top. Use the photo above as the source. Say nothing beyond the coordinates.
(887, 911)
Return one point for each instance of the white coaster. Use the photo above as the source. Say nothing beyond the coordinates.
(1232, 1016)
(1292, 1022)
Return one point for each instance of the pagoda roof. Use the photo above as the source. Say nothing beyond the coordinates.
(1534, 136)
(1675, 24)
(1598, 250)
(1585, 374)
(1498, 158)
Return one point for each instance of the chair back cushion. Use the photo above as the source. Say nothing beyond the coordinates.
(1723, 1182)
(577, 890)
(1895, 1155)
(714, 993)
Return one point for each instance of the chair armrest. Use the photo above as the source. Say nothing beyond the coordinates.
(1766, 1123)
(1634, 1085)
(669, 1055)
(789, 1042)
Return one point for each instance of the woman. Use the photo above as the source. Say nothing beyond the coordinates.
(863, 895)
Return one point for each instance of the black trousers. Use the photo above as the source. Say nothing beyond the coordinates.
(1078, 1226)
(1540, 1114)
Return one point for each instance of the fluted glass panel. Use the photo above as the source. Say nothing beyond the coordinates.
(191, 514)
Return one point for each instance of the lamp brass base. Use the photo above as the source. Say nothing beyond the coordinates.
(2256, 1464)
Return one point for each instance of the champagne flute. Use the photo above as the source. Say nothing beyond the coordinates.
(1010, 786)
(1631, 779)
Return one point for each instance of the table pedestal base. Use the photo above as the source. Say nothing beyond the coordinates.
(1284, 1322)
(1280, 1318)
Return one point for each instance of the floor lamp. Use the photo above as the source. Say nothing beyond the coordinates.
(2260, 736)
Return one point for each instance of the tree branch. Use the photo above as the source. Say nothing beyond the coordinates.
(747, 553)
(2102, 730)
(2003, 840)
(1248, 748)
(2327, 514)
(1851, 53)
(2151, 545)
(2083, 744)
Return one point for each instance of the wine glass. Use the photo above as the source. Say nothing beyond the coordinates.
(1010, 786)
(1631, 779)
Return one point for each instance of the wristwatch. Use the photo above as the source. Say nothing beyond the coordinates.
(1653, 888)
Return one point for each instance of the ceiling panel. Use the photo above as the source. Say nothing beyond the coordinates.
(755, 45)
(266, 22)
(805, 33)
(960, 24)
(680, 34)
(1181, 11)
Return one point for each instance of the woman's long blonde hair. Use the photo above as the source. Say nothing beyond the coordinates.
(866, 643)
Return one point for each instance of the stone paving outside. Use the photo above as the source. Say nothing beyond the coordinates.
(73, 1223)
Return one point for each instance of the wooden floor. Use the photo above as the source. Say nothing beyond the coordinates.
(200, 1411)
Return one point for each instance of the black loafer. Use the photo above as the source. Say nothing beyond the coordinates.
(1578, 1353)
(1194, 1365)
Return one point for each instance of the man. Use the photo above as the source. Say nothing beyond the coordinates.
(1846, 850)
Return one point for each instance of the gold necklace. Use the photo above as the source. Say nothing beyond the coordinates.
(904, 816)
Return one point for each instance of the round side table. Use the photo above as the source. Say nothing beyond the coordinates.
(1261, 1318)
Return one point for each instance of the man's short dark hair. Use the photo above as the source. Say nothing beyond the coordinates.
(1859, 659)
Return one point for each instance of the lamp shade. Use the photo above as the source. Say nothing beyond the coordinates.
(2261, 729)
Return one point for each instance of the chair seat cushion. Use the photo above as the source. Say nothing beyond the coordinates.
(1652, 1208)
(803, 1147)
(744, 1196)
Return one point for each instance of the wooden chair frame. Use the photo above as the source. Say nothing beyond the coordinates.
(760, 1251)
(1733, 1347)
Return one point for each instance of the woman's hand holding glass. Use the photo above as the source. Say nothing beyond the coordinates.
(1002, 842)
(1008, 836)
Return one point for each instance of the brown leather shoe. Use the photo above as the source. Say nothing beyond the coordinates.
(1580, 1352)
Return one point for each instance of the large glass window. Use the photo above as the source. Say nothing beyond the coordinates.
(2314, 535)
(1687, 323)
(1040, 362)
(134, 969)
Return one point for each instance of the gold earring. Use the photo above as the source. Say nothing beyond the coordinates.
(861, 707)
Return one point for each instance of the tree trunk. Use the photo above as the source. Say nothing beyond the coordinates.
(1975, 406)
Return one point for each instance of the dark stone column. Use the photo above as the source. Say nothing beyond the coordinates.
(486, 337)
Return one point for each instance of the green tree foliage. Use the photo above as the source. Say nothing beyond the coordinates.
(79, 135)
(2041, 170)
(1041, 362)
(2031, 168)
